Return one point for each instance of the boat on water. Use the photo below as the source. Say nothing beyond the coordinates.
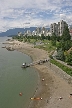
(24, 65)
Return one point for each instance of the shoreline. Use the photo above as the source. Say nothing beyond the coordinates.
(41, 86)
(53, 87)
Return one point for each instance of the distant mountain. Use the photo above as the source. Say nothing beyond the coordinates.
(14, 31)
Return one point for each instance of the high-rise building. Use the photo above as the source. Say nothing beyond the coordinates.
(38, 29)
(70, 31)
(58, 28)
(54, 28)
(63, 24)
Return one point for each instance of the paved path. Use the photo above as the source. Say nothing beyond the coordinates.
(63, 63)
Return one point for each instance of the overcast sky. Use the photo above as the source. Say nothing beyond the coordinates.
(26, 13)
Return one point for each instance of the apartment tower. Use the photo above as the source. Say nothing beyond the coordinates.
(58, 28)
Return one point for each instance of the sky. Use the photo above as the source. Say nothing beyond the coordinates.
(33, 13)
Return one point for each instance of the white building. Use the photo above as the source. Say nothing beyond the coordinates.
(28, 33)
(19, 33)
(54, 28)
(63, 24)
(34, 33)
(58, 28)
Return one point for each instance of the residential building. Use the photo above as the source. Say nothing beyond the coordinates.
(63, 24)
(28, 33)
(48, 34)
(70, 30)
(43, 31)
(54, 28)
(38, 29)
(38, 32)
(34, 33)
(58, 28)
(19, 33)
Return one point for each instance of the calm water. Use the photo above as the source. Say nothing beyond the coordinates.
(14, 79)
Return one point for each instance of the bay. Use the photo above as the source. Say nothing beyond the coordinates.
(14, 79)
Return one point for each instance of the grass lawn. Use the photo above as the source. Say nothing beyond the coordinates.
(32, 40)
(47, 46)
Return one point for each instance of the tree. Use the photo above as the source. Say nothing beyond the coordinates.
(48, 37)
(69, 58)
(42, 36)
(67, 45)
(25, 40)
(60, 55)
(64, 45)
(53, 39)
(58, 38)
(66, 35)
(53, 42)
(28, 39)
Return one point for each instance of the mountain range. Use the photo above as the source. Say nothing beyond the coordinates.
(14, 31)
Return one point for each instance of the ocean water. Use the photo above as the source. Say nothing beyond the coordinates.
(14, 79)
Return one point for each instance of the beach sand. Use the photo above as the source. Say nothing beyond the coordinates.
(54, 90)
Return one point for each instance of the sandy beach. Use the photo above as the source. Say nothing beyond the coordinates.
(54, 90)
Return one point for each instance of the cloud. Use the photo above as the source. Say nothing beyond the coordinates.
(68, 18)
(23, 13)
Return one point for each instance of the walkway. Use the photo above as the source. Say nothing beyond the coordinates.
(63, 63)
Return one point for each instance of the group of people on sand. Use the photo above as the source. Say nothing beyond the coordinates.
(43, 61)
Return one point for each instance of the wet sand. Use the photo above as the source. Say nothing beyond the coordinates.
(53, 87)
